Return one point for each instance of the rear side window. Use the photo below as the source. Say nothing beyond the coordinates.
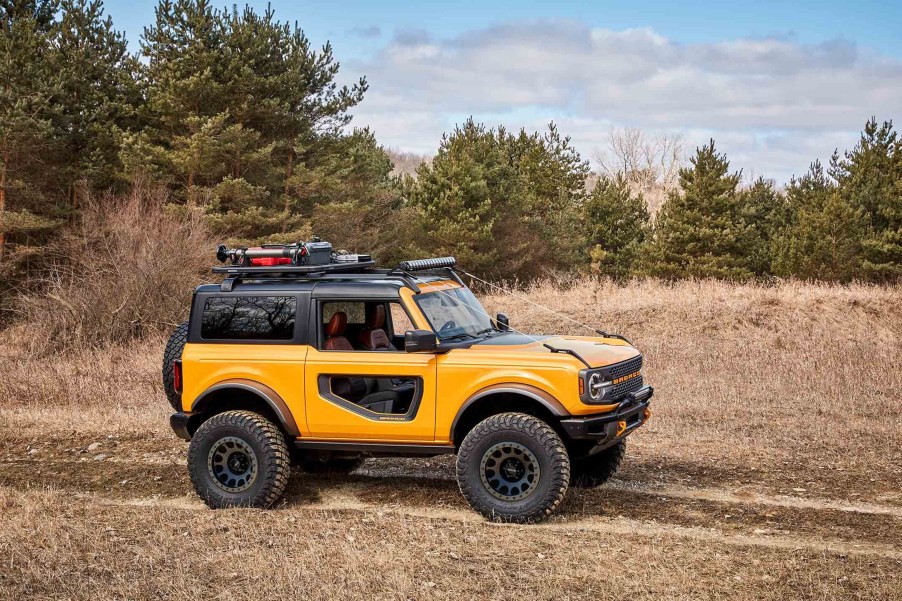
(249, 318)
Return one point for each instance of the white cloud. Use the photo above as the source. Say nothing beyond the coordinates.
(771, 103)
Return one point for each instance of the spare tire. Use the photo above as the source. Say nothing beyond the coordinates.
(172, 353)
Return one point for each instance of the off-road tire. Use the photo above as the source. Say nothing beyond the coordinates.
(272, 463)
(173, 352)
(336, 466)
(595, 470)
(541, 441)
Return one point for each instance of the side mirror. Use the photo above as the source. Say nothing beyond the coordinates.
(420, 341)
(504, 324)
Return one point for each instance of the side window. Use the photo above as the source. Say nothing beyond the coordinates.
(361, 325)
(355, 311)
(400, 321)
(249, 318)
(341, 323)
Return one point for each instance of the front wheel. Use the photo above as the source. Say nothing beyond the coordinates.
(239, 459)
(513, 467)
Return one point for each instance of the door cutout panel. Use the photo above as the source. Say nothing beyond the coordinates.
(379, 398)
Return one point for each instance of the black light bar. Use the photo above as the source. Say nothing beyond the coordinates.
(423, 264)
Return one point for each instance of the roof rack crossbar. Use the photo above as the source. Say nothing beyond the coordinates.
(233, 278)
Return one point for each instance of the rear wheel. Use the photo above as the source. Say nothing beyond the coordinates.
(595, 470)
(171, 354)
(513, 467)
(238, 459)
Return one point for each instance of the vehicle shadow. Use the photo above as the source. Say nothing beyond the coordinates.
(628, 495)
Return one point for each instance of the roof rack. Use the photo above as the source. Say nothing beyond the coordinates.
(294, 261)
(307, 270)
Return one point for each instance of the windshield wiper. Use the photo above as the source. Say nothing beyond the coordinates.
(485, 331)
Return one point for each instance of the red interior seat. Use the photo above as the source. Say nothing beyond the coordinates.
(335, 330)
(373, 336)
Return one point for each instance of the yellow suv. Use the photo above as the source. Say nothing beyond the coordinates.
(323, 362)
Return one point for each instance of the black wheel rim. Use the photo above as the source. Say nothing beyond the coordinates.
(509, 471)
(232, 464)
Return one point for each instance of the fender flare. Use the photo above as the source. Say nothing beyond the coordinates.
(261, 391)
(537, 394)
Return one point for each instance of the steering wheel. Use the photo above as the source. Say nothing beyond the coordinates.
(449, 325)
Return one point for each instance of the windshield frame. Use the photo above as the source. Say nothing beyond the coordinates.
(477, 327)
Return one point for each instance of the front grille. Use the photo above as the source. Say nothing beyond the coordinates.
(630, 366)
(623, 369)
(624, 388)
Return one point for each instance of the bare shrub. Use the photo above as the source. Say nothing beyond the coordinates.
(650, 163)
(406, 163)
(126, 269)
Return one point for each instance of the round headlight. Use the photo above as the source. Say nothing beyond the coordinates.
(596, 388)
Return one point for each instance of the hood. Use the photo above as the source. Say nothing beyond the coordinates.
(598, 351)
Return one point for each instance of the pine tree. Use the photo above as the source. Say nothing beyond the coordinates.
(700, 231)
(242, 111)
(504, 204)
(555, 190)
(97, 99)
(359, 202)
(765, 212)
(822, 239)
(185, 96)
(616, 222)
(461, 194)
(286, 90)
(869, 179)
(26, 29)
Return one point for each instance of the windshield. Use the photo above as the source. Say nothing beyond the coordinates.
(454, 313)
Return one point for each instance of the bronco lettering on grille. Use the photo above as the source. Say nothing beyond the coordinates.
(626, 377)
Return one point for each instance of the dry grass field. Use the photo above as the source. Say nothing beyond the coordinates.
(771, 469)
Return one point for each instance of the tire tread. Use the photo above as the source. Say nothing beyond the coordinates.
(539, 431)
(173, 351)
(274, 469)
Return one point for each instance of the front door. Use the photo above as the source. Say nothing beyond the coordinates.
(359, 385)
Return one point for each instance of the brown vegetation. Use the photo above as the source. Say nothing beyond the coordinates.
(122, 272)
(770, 470)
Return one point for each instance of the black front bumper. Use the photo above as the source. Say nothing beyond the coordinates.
(610, 427)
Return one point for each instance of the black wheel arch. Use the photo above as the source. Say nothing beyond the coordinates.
(242, 394)
(502, 398)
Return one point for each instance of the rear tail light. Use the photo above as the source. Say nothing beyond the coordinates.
(177, 376)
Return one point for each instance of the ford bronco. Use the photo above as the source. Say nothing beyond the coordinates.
(303, 356)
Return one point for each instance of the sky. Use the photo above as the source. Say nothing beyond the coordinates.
(775, 84)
